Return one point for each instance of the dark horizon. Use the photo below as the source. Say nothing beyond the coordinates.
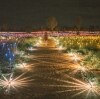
(35, 12)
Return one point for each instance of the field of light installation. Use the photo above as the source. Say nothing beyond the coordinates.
(59, 68)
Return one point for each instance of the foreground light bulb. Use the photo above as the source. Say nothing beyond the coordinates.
(11, 83)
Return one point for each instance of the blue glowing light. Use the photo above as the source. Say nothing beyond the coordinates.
(6, 52)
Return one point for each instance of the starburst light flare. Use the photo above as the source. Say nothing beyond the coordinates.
(10, 83)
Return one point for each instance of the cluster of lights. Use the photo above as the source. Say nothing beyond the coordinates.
(77, 85)
(81, 41)
(89, 87)
(8, 82)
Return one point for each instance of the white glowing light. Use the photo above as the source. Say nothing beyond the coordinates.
(71, 54)
(24, 66)
(77, 86)
(38, 43)
(56, 41)
(75, 58)
(21, 53)
(28, 56)
(81, 68)
(61, 48)
(13, 83)
(31, 49)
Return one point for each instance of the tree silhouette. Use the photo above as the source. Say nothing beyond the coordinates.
(78, 23)
(51, 23)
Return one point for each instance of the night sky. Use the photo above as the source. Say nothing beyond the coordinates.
(35, 12)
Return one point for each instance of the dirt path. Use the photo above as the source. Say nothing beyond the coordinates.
(51, 78)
